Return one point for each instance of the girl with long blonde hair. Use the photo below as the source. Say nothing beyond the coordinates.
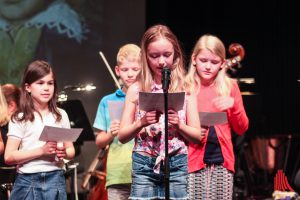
(211, 163)
(159, 48)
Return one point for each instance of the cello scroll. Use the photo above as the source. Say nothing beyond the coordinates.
(238, 53)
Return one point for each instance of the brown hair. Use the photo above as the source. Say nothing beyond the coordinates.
(3, 109)
(35, 71)
(11, 93)
(8, 93)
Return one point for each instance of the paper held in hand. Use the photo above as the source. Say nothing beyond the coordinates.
(115, 109)
(213, 118)
(50, 133)
(155, 101)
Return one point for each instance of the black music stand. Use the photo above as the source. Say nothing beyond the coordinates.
(78, 119)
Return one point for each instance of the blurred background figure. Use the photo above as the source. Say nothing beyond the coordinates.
(3, 111)
(9, 102)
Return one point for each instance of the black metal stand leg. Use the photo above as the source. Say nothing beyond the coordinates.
(167, 168)
(165, 86)
(7, 187)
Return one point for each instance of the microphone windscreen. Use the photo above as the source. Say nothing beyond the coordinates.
(165, 79)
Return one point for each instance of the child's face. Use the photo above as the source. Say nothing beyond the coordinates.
(208, 65)
(160, 54)
(128, 72)
(20, 9)
(41, 90)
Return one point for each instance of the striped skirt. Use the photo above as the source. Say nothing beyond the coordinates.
(214, 182)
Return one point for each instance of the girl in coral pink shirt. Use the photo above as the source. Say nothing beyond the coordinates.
(211, 163)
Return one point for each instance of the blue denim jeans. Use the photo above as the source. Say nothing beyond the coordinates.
(148, 185)
(118, 192)
(40, 186)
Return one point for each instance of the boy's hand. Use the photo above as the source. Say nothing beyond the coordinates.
(115, 127)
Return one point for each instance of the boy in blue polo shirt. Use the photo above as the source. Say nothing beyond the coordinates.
(118, 179)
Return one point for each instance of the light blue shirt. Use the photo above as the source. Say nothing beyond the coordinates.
(102, 120)
(119, 155)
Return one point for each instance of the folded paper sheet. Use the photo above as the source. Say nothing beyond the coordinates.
(115, 109)
(50, 133)
(213, 118)
(155, 101)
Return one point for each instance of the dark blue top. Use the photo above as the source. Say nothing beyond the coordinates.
(213, 153)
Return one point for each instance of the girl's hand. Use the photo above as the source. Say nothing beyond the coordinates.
(61, 151)
(204, 130)
(223, 103)
(115, 127)
(49, 148)
(173, 118)
(150, 117)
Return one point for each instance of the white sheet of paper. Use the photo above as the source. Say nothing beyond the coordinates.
(155, 101)
(115, 109)
(213, 118)
(50, 133)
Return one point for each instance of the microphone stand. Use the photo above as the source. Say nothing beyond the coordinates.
(167, 168)
(165, 85)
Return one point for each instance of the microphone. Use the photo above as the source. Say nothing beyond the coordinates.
(165, 79)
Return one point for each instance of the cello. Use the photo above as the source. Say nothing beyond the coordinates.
(98, 191)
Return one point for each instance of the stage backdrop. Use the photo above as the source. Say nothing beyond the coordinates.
(69, 35)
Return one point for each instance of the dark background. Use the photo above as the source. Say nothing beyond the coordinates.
(270, 33)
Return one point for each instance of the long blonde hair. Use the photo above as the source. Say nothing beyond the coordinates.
(222, 82)
(177, 76)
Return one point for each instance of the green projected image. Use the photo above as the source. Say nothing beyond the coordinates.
(24, 28)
